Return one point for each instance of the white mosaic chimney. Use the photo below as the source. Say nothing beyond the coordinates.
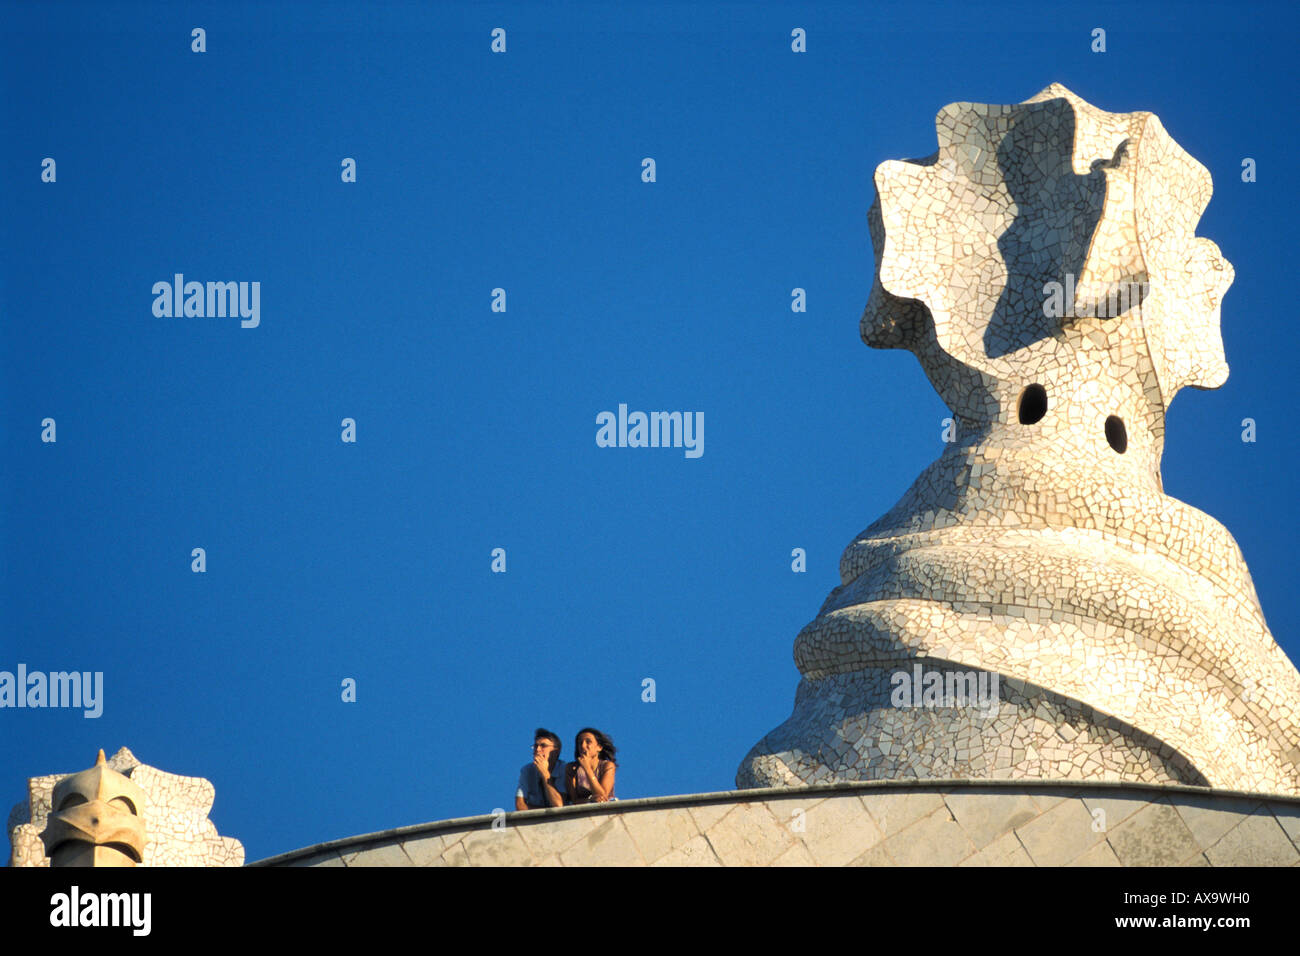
(1043, 266)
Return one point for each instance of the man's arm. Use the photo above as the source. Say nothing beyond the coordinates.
(519, 790)
(553, 796)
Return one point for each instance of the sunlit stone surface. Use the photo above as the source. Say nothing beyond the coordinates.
(1043, 266)
(175, 809)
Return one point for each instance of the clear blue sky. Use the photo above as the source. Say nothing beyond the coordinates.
(476, 429)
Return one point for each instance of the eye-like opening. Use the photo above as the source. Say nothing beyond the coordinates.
(1032, 405)
(71, 800)
(1116, 434)
(126, 804)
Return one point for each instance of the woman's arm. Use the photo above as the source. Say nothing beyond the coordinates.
(607, 782)
(602, 783)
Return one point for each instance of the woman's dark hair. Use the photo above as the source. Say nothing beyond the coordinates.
(606, 745)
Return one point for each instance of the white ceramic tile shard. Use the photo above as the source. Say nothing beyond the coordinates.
(1047, 249)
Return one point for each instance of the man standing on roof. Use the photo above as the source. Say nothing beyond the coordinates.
(541, 783)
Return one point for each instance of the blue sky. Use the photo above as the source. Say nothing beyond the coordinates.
(476, 429)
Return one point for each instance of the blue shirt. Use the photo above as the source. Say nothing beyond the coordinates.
(530, 785)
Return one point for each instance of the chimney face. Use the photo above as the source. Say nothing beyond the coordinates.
(96, 819)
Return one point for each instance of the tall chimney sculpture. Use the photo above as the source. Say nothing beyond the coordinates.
(1043, 266)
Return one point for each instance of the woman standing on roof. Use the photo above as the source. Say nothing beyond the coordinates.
(590, 778)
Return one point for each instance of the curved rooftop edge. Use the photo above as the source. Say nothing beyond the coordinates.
(878, 823)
